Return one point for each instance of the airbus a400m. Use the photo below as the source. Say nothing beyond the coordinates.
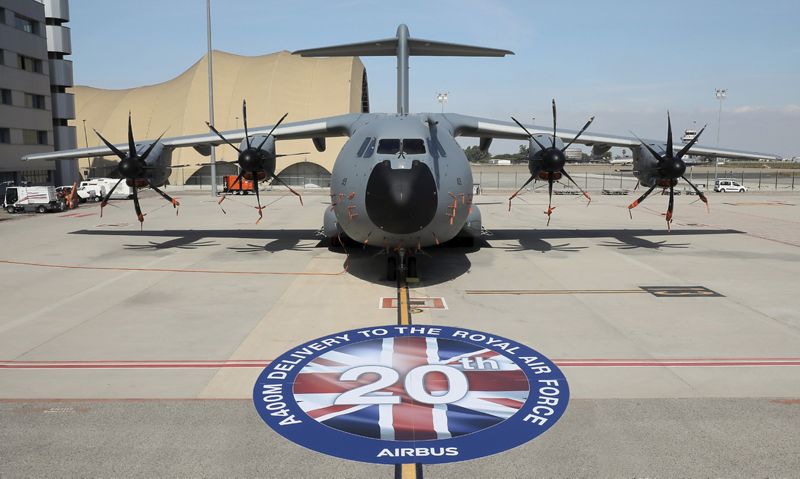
(401, 181)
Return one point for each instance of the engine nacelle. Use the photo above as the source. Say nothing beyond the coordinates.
(267, 149)
(160, 161)
(534, 151)
(645, 165)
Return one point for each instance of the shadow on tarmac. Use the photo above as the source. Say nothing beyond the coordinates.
(435, 264)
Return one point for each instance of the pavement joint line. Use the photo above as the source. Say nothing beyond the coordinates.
(171, 270)
(554, 291)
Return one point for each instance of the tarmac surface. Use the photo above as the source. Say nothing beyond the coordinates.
(133, 353)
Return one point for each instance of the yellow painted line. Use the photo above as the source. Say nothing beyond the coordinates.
(402, 304)
(554, 291)
(408, 471)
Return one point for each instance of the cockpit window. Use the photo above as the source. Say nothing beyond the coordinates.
(364, 146)
(388, 146)
(413, 146)
(409, 146)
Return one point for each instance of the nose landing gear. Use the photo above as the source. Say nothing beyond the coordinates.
(401, 264)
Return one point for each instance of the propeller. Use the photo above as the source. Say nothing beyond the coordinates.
(132, 169)
(549, 164)
(254, 162)
(669, 168)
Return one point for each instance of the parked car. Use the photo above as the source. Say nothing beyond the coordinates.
(729, 185)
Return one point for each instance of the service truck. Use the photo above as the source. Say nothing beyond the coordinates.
(40, 199)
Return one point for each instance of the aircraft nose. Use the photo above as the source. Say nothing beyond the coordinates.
(401, 201)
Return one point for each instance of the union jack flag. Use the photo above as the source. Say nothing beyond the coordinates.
(497, 388)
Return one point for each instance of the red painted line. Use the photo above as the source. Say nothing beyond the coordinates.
(173, 270)
(261, 363)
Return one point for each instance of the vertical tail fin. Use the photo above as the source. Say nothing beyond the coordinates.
(403, 46)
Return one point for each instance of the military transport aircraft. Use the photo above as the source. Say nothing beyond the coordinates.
(401, 181)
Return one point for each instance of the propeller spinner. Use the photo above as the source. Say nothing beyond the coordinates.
(254, 162)
(670, 167)
(132, 168)
(550, 164)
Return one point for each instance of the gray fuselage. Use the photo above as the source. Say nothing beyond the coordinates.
(401, 181)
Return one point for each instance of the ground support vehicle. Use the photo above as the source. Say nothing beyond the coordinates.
(41, 199)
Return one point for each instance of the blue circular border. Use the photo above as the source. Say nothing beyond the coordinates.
(500, 437)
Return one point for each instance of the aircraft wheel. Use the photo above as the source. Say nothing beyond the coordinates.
(391, 269)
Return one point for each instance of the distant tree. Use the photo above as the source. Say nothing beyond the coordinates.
(475, 155)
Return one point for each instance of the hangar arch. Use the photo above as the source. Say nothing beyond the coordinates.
(305, 172)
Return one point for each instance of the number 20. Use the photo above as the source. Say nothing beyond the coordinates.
(414, 384)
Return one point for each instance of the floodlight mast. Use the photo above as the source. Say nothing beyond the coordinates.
(211, 99)
(720, 93)
(442, 98)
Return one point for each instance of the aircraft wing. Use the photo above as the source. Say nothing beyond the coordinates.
(317, 128)
(470, 126)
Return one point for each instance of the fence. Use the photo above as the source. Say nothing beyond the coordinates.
(614, 182)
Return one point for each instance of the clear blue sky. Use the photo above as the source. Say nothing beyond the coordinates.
(626, 62)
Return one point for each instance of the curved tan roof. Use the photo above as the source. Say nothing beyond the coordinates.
(273, 84)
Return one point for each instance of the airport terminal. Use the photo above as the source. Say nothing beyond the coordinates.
(307, 287)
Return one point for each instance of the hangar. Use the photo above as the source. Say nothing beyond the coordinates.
(272, 84)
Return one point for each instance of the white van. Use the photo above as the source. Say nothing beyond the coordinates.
(729, 185)
(40, 199)
(95, 189)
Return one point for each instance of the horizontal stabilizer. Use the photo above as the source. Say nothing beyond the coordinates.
(416, 47)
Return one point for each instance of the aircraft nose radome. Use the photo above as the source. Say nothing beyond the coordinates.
(401, 201)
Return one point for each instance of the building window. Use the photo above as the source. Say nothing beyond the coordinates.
(34, 137)
(25, 24)
(34, 101)
(5, 95)
(29, 64)
(5, 135)
(2, 53)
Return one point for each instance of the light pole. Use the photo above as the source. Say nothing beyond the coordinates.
(211, 99)
(85, 138)
(720, 93)
(442, 98)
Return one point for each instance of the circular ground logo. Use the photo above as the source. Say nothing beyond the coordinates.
(403, 394)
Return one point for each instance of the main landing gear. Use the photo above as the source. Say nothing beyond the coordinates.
(401, 262)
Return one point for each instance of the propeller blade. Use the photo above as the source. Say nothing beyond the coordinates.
(167, 197)
(641, 198)
(108, 196)
(564, 172)
(111, 147)
(653, 152)
(223, 138)
(209, 164)
(273, 129)
(670, 207)
(529, 133)
(136, 206)
(691, 143)
(131, 143)
(244, 119)
(276, 178)
(578, 135)
(292, 154)
(152, 145)
(533, 177)
(699, 193)
(669, 137)
(553, 139)
(550, 208)
(258, 198)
